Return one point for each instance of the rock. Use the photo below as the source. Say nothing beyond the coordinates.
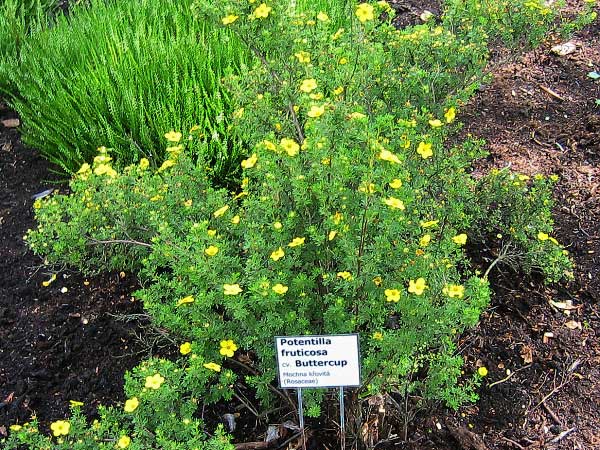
(11, 123)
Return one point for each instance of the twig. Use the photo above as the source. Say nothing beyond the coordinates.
(551, 92)
(121, 241)
(516, 444)
(562, 435)
(509, 376)
(552, 414)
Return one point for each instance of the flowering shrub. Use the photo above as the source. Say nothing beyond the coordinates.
(352, 214)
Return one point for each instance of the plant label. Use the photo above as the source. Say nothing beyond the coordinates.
(318, 361)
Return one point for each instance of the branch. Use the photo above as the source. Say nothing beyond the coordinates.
(119, 241)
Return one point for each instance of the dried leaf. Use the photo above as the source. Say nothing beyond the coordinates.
(547, 336)
(564, 49)
(573, 325)
(527, 354)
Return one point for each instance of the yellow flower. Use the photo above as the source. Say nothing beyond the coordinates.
(60, 427)
(280, 289)
(378, 336)
(395, 203)
(277, 225)
(417, 287)
(85, 168)
(332, 235)
(238, 113)
(211, 233)
(338, 90)
(424, 150)
(542, 236)
(308, 85)
(231, 289)
(188, 203)
(392, 295)
(228, 348)
(277, 254)
(364, 12)
(367, 188)
(356, 115)
(337, 34)
(345, 276)
(105, 169)
(297, 242)
(429, 223)
(15, 427)
(386, 155)
(317, 96)
(343, 61)
(219, 212)
(377, 280)
(425, 240)
(167, 164)
(435, 123)
(49, 282)
(102, 158)
(262, 12)
(212, 366)
(454, 290)
(316, 111)
(235, 220)
(185, 348)
(229, 19)
(250, 162)
(173, 136)
(269, 145)
(174, 151)
(450, 115)
(185, 300)
(124, 442)
(144, 163)
(131, 404)
(154, 382)
(482, 371)
(303, 57)
(395, 183)
(460, 239)
(322, 16)
(75, 403)
(290, 146)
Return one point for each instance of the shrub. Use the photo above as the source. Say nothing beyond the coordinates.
(352, 214)
(120, 73)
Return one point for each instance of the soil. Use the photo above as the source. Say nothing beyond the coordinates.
(538, 115)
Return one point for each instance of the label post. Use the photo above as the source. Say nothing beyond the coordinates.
(324, 361)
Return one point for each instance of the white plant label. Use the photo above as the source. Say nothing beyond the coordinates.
(318, 361)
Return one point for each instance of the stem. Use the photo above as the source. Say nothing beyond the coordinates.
(120, 241)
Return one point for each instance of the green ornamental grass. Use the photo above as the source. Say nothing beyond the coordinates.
(120, 74)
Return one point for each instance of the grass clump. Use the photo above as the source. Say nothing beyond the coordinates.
(121, 73)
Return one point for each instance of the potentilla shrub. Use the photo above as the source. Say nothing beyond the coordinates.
(352, 214)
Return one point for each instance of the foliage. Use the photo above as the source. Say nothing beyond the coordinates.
(517, 219)
(18, 18)
(119, 74)
(119, 429)
(352, 214)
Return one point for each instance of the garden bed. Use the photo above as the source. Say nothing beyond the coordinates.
(62, 342)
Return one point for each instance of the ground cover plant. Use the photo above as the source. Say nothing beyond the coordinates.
(352, 216)
(119, 73)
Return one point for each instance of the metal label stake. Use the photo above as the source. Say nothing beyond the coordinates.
(301, 417)
(342, 420)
